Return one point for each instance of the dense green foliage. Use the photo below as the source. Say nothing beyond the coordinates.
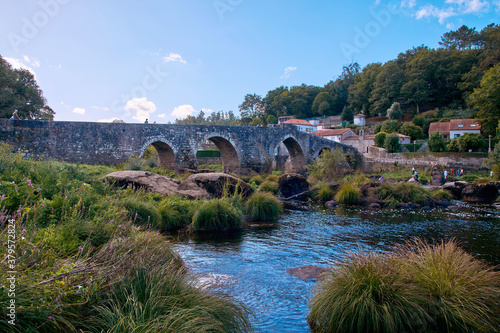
(392, 144)
(436, 142)
(493, 161)
(329, 166)
(19, 91)
(419, 79)
(466, 142)
(380, 139)
(402, 192)
(417, 287)
(486, 99)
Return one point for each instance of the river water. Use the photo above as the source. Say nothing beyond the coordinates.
(251, 265)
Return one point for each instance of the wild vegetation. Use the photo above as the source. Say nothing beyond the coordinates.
(87, 254)
(417, 287)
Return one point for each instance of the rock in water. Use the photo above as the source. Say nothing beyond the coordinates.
(144, 179)
(480, 193)
(307, 272)
(292, 184)
(213, 184)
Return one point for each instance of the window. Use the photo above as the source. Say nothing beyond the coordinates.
(460, 125)
(457, 135)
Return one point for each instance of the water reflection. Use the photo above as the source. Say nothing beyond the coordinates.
(254, 261)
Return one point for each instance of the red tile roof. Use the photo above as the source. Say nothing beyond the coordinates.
(439, 127)
(464, 124)
(301, 122)
(331, 132)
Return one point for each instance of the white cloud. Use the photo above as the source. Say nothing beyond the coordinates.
(183, 111)
(288, 72)
(142, 107)
(80, 111)
(431, 11)
(207, 111)
(408, 3)
(471, 6)
(99, 108)
(21, 64)
(163, 115)
(174, 57)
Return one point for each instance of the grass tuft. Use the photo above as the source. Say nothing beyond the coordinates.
(263, 206)
(217, 215)
(348, 194)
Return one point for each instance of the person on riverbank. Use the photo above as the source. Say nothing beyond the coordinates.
(445, 175)
(15, 115)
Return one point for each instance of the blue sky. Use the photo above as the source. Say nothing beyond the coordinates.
(164, 59)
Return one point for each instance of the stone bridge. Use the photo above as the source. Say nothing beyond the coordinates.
(244, 149)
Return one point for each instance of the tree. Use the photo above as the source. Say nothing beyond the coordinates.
(20, 91)
(347, 114)
(487, 100)
(466, 142)
(380, 139)
(436, 142)
(252, 106)
(412, 130)
(462, 39)
(271, 119)
(390, 126)
(322, 104)
(392, 144)
(256, 122)
(395, 112)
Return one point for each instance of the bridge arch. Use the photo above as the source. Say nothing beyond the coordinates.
(166, 154)
(229, 154)
(297, 159)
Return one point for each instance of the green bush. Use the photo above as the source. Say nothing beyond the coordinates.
(436, 142)
(402, 192)
(257, 179)
(392, 144)
(416, 288)
(217, 215)
(269, 186)
(442, 194)
(380, 139)
(348, 194)
(329, 166)
(364, 293)
(323, 191)
(263, 207)
(461, 292)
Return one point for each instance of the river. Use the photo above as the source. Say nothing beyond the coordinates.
(251, 264)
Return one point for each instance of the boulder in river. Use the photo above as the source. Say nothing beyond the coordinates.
(144, 179)
(480, 193)
(293, 186)
(214, 184)
(437, 175)
(307, 272)
(455, 188)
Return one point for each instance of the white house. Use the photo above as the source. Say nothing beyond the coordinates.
(302, 125)
(360, 120)
(459, 127)
(337, 135)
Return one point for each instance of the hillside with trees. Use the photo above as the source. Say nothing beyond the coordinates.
(420, 79)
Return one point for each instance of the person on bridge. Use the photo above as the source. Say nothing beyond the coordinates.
(146, 122)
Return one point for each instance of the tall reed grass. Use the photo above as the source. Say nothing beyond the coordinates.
(348, 194)
(263, 206)
(217, 215)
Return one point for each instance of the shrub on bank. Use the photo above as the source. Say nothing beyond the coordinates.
(269, 186)
(263, 207)
(418, 287)
(142, 212)
(363, 293)
(348, 194)
(217, 215)
(402, 192)
(323, 192)
(176, 213)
